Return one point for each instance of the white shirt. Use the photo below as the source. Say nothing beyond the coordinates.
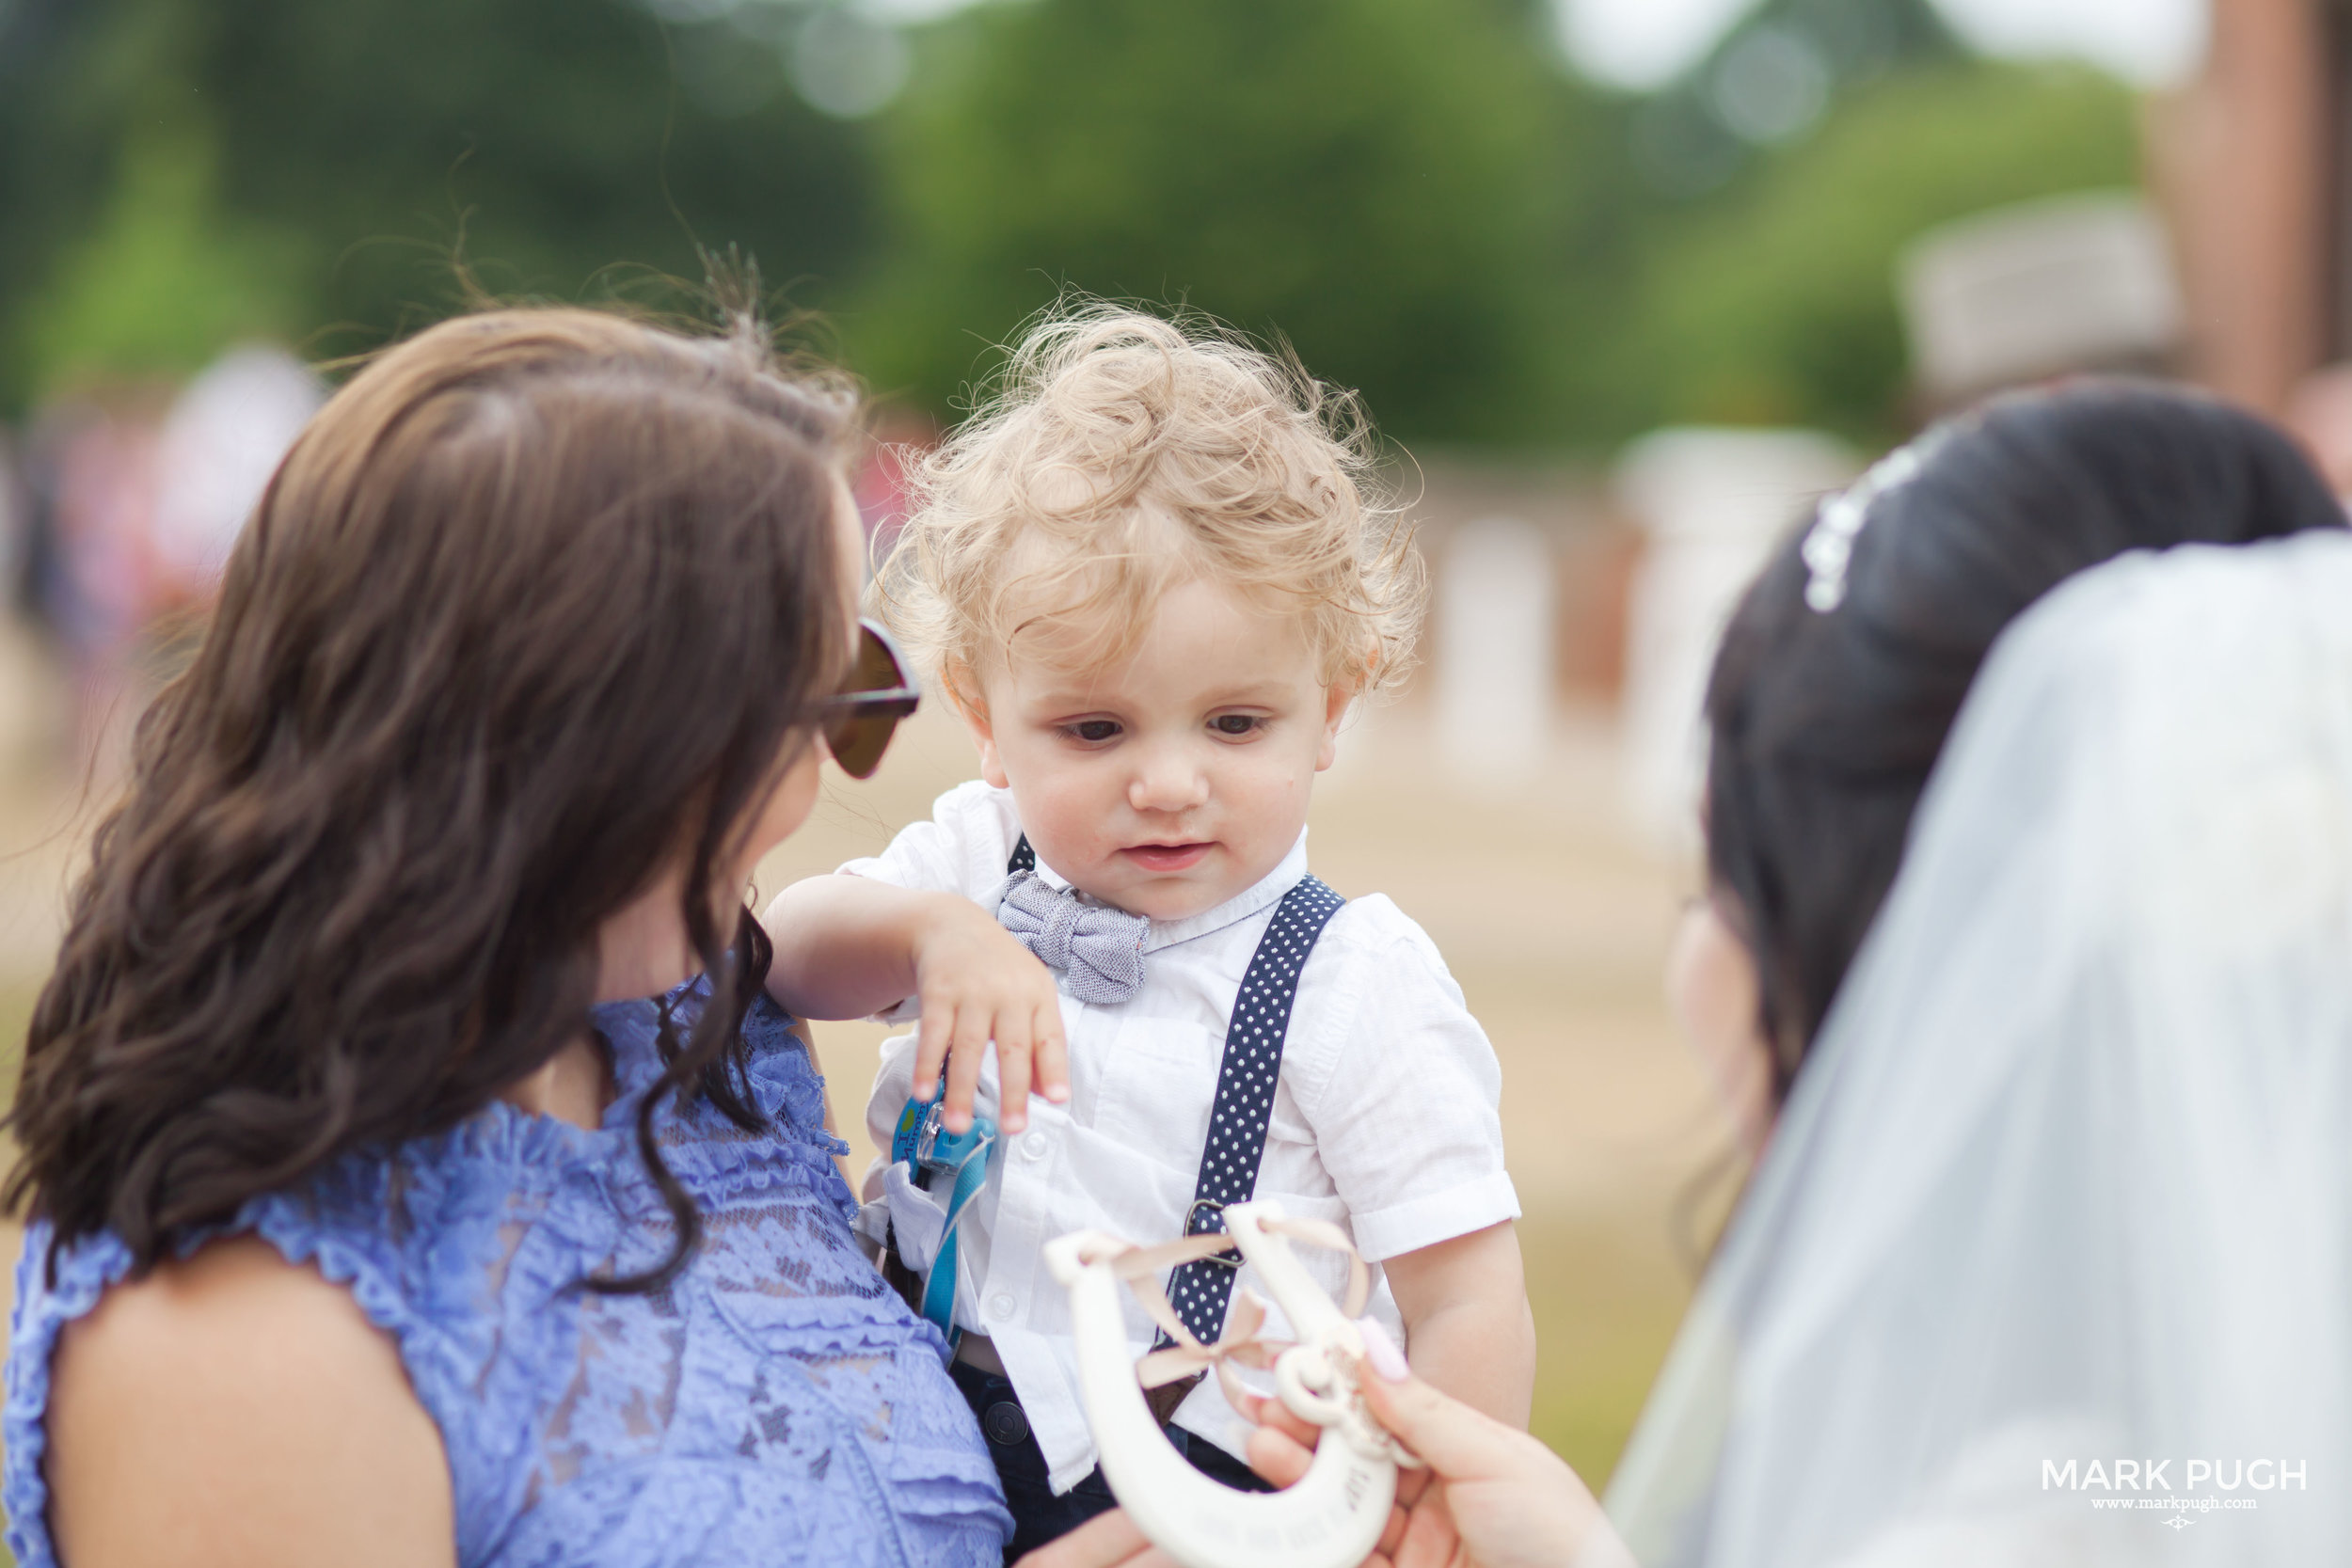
(1384, 1116)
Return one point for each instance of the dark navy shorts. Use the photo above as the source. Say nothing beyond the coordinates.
(1038, 1515)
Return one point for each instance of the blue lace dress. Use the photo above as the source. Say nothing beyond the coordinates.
(777, 1404)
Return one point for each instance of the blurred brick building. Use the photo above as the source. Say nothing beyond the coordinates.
(2252, 162)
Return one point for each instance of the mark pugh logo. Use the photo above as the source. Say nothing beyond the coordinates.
(2138, 1485)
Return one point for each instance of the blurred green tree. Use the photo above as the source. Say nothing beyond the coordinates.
(1769, 82)
(351, 146)
(55, 164)
(1415, 192)
(1403, 188)
(166, 278)
(1776, 303)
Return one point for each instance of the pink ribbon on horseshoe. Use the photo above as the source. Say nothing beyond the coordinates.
(1137, 1266)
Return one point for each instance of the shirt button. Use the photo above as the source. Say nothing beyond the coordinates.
(1035, 1145)
(1001, 1306)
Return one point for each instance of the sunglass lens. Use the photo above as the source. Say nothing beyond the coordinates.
(858, 737)
(877, 667)
(858, 740)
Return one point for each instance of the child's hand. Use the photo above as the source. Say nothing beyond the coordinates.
(977, 984)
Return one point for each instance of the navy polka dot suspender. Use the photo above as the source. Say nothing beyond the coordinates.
(1245, 1091)
(1199, 1291)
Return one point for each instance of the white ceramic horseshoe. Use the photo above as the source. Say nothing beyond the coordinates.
(1331, 1518)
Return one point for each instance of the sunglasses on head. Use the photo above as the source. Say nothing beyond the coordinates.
(858, 721)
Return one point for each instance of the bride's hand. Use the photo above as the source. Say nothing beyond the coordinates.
(1497, 1494)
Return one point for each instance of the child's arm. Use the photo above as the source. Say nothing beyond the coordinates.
(847, 946)
(1468, 1329)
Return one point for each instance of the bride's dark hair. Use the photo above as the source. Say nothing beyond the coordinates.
(1825, 722)
(538, 608)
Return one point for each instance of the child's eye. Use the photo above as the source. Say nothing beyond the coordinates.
(1092, 730)
(1236, 724)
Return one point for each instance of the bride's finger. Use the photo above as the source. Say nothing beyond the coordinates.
(1393, 1534)
(1459, 1443)
(1278, 1456)
(1274, 1416)
(1429, 1539)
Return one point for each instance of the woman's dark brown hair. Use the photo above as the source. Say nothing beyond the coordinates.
(1826, 723)
(540, 606)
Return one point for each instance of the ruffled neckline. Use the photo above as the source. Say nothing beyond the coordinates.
(698, 1142)
(632, 1029)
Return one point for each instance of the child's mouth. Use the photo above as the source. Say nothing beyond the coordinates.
(1167, 857)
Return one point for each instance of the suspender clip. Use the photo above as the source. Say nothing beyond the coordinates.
(1215, 1225)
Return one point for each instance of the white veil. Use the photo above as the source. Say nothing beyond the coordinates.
(2069, 1176)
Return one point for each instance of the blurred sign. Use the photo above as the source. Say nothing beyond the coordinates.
(1713, 503)
(1495, 590)
(2071, 283)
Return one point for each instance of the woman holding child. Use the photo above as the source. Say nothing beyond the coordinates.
(421, 1167)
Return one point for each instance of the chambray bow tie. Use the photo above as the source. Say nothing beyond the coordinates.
(1097, 949)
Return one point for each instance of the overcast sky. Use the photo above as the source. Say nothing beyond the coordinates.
(1641, 42)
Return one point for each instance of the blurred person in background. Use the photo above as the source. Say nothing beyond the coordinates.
(227, 432)
(2109, 975)
(16, 510)
(18, 522)
(884, 496)
(134, 495)
(28, 695)
(2319, 413)
(91, 459)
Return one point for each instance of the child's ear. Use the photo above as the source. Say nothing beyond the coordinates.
(1336, 700)
(963, 695)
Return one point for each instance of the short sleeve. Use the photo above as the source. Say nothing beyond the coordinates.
(1400, 1086)
(962, 848)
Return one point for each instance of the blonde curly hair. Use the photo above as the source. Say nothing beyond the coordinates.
(1119, 454)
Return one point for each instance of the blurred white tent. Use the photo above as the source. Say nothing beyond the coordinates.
(1712, 504)
(225, 437)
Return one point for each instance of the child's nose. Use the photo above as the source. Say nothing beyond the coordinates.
(1167, 779)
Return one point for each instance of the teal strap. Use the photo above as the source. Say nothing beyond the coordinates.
(939, 1290)
(925, 1145)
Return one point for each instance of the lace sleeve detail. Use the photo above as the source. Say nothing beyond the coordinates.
(43, 1307)
(774, 1403)
(353, 1222)
(796, 1148)
(441, 1245)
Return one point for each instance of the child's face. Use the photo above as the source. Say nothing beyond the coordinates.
(1174, 782)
